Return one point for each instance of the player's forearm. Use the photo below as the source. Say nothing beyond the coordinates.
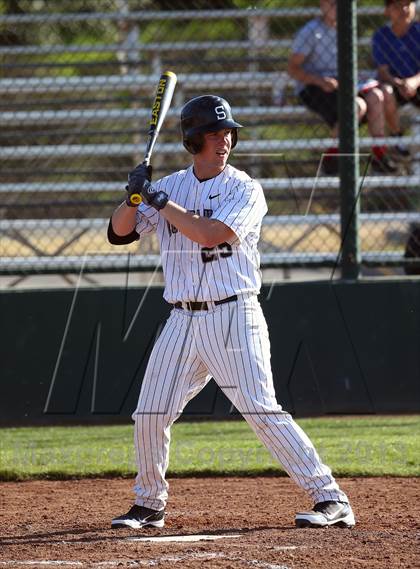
(204, 231)
(124, 219)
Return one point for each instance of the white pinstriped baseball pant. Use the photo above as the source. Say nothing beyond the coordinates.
(229, 343)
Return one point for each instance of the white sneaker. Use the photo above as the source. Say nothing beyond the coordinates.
(329, 513)
(139, 517)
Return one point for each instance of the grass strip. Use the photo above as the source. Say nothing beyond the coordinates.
(351, 446)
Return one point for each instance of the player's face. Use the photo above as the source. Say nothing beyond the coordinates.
(216, 148)
(402, 11)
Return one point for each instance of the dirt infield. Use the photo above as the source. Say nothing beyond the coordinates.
(211, 522)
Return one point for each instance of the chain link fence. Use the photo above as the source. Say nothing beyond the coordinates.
(76, 88)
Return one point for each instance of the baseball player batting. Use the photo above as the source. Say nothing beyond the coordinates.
(208, 221)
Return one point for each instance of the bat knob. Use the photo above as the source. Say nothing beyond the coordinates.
(136, 199)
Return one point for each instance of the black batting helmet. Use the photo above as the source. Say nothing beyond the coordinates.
(207, 113)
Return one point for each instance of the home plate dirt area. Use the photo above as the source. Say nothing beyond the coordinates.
(211, 522)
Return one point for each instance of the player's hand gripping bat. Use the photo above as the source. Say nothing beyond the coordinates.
(161, 104)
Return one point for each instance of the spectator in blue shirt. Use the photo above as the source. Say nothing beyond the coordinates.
(396, 51)
(313, 64)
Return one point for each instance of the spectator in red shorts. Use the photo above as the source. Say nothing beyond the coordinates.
(313, 64)
(396, 52)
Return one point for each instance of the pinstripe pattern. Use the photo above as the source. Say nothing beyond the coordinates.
(231, 197)
(229, 342)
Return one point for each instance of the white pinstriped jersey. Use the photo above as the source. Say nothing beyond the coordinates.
(228, 342)
(196, 273)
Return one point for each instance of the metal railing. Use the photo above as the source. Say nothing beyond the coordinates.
(73, 124)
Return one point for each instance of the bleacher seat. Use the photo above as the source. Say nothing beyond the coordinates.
(57, 122)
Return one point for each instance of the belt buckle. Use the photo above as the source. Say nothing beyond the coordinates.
(197, 305)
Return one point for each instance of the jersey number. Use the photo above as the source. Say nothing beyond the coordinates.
(209, 255)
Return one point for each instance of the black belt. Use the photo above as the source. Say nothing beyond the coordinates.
(204, 305)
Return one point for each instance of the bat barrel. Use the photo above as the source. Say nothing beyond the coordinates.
(161, 104)
(164, 92)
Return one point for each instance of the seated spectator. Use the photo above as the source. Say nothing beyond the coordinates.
(396, 52)
(313, 64)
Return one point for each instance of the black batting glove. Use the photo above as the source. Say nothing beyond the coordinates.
(139, 185)
(138, 176)
(153, 197)
(141, 175)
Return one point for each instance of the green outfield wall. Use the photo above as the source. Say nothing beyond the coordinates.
(72, 356)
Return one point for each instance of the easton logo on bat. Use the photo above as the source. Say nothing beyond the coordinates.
(158, 99)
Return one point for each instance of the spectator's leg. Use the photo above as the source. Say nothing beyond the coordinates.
(361, 108)
(392, 115)
(381, 161)
(375, 112)
(325, 105)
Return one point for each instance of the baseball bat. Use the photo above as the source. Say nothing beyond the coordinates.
(161, 104)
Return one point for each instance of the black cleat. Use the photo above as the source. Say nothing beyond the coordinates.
(329, 513)
(140, 517)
